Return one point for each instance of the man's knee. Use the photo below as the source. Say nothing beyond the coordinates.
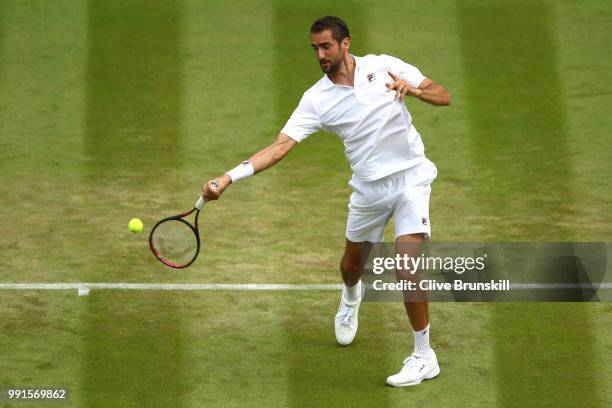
(350, 264)
(354, 256)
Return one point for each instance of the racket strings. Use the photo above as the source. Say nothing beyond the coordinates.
(175, 242)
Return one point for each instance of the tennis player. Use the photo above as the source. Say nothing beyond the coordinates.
(361, 99)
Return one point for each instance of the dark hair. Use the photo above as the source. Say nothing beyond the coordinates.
(336, 25)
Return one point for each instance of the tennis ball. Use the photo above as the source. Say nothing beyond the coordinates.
(135, 225)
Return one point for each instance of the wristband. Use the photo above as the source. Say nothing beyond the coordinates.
(243, 170)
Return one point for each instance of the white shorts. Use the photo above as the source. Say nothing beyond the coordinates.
(403, 195)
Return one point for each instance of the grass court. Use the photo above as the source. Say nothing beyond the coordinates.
(117, 109)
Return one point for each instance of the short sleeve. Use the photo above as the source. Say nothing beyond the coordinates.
(407, 72)
(303, 122)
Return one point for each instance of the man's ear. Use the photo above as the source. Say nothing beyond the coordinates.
(346, 42)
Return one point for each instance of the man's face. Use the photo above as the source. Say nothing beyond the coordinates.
(329, 52)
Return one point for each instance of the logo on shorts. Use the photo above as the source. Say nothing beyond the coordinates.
(424, 221)
(371, 77)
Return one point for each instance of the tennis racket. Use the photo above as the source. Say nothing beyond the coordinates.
(176, 242)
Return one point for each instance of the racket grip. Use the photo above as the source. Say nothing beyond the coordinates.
(200, 203)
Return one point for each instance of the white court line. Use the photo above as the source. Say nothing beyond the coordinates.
(168, 286)
(247, 286)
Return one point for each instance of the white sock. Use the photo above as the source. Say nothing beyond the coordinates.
(352, 294)
(421, 342)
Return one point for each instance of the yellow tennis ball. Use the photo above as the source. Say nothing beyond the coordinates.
(135, 225)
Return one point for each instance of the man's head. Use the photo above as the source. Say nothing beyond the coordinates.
(329, 37)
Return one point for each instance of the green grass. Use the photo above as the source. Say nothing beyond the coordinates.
(113, 110)
(519, 156)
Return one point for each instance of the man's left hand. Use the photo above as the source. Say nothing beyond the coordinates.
(402, 88)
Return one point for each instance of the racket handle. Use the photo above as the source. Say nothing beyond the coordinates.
(200, 203)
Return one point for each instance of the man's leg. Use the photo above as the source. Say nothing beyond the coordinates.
(422, 364)
(352, 262)
(351, 268)
(418, 310)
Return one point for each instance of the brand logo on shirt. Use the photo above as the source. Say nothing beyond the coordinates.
(371, 77)
(424, 220)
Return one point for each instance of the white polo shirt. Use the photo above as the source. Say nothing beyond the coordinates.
(377, 131)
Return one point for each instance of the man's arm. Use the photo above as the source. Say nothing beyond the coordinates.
(428, 91)
(262, 160)
(433, 93)
(268, 157)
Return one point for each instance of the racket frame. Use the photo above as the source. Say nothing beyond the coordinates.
(194, 229)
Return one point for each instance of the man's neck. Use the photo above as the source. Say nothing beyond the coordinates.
(346, 74)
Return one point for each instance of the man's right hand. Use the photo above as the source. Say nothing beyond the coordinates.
(214, 188)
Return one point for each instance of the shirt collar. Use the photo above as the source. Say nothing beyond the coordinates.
(326, 83)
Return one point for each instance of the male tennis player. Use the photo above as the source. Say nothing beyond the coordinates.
(361, 100)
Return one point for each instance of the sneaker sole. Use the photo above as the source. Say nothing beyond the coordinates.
(348, 342)
(408, 384)
(344, 344)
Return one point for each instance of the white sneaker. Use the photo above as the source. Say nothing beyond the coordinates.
(347, 320)
(415, 370)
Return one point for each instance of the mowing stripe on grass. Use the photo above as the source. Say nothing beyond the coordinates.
(585, 30)
(2, 35)
(518, 143)
(228, 48)
(522, 169)
(133, 348)
(133, 352)
(3, 58)
(41, 110)
(133, 91)
(228, 116)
